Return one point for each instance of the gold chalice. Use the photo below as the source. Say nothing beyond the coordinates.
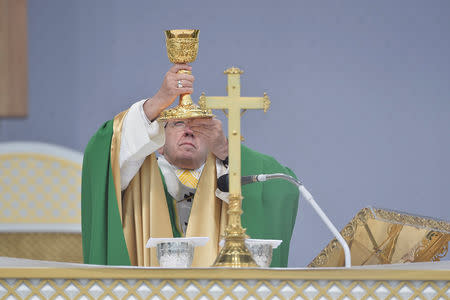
(182, 48)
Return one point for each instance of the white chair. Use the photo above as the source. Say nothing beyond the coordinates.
(40, 195)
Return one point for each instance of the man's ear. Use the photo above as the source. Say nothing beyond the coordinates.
(161, 150)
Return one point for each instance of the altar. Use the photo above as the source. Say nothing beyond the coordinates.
(30, 279)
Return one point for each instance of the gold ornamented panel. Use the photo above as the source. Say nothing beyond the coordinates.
(379, 236)
(39, 189)
(49, 246)
(221, 289)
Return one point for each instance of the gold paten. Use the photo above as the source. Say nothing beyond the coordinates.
(379, 236)
(234, 253)
(182, 48)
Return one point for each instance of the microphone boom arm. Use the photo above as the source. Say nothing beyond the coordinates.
(307, 195)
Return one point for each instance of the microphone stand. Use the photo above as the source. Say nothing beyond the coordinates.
(307, 195)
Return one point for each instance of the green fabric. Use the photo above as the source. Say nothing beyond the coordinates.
(270, 208)
(102, 234)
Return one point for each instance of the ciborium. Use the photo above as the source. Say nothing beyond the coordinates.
(182, 48)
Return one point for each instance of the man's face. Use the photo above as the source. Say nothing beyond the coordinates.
(183, 148)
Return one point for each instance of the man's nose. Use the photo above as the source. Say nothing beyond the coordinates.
(188, 130)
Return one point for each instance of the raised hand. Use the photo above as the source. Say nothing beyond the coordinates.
(170, 90)
(211, 131)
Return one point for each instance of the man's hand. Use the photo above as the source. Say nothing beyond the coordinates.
(211, 131)
(169, 91)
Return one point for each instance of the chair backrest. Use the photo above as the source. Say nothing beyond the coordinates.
(40, 192)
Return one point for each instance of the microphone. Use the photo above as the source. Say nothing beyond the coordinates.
(223, 185)
(223, 182)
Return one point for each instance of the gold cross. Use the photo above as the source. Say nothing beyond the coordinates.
(234, 103)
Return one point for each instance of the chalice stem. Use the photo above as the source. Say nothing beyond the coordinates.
(185, 99)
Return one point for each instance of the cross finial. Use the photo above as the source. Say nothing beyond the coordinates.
(233, 70)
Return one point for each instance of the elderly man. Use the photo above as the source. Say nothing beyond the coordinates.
(129, 195)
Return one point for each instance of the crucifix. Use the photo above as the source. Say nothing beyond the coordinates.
(234, 253)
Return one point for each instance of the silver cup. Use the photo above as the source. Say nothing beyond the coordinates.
(175, 254)
(261, 253)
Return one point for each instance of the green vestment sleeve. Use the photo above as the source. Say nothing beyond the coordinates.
(270, 208)
(103, 239)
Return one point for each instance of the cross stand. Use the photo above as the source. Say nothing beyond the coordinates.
(234, 253)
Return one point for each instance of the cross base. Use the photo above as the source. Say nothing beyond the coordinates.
(235, 254)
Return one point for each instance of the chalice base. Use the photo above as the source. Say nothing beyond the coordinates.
(185, 110)
(235, 254)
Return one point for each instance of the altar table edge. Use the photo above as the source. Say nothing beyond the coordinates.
(223, 273)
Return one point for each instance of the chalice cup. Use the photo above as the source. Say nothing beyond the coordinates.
(182, 48)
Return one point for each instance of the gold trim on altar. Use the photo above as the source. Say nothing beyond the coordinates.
(96, 272)
(222, 283)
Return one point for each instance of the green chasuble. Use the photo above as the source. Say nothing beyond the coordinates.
(270, 208)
